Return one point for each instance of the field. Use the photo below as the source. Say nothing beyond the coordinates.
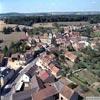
(73, 23)
(45, 25)
(8, 39)
(13, 37)
(51, 24)
(85, 76)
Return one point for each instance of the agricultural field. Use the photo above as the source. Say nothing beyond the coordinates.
(45, 25)
(73, 23)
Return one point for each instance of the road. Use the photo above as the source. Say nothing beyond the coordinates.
(8, 96)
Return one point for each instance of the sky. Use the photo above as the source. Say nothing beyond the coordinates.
(36, 6)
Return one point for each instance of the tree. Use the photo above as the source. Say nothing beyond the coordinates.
(7, 30)
(24, 30)
(5, 50)
(98, 89)
(70, 48)
(17, 29)
(56, 25)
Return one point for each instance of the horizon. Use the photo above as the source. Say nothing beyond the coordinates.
(44, 6)
(52, 12)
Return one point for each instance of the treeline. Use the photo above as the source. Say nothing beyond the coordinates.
(29, 20)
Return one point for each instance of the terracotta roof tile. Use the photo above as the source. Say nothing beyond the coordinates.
(45, 93)
(70, 56)
(43, 75)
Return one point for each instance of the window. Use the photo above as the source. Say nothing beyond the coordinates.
(62, 98)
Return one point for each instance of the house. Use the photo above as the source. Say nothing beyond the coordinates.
(54, 70)
(23, 80)
(31, 71)
(69, 55)
(22, 95)
(74, 34)
(46, 76)
(48, 93)
(18, 60)
(38, 46)
(15, 56)
(43, 75)
(28, 56)
(44, 60)
(95, 44)
(14, 64)
(68, 82)
(40, 63)
(80, 45)
(41, 38)
(56, 91)
(37, 83)
(84, 38)
(26, 87)
(68, 94)
(6, 75)
(62, 40)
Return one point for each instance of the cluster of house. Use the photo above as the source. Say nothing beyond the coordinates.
(20, 60)
(43, 81)
(45, 63)
(41, 85)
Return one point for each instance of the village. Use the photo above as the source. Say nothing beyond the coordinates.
(55, 64)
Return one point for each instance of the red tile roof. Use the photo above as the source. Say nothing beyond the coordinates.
(70, 56)
(54, 69)
(47, 59)
(43, 75)
(69, 93)
(45, 93)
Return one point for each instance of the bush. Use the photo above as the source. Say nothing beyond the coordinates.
(98, 89)
(8, 30)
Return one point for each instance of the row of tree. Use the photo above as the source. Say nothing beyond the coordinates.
(29, 20)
